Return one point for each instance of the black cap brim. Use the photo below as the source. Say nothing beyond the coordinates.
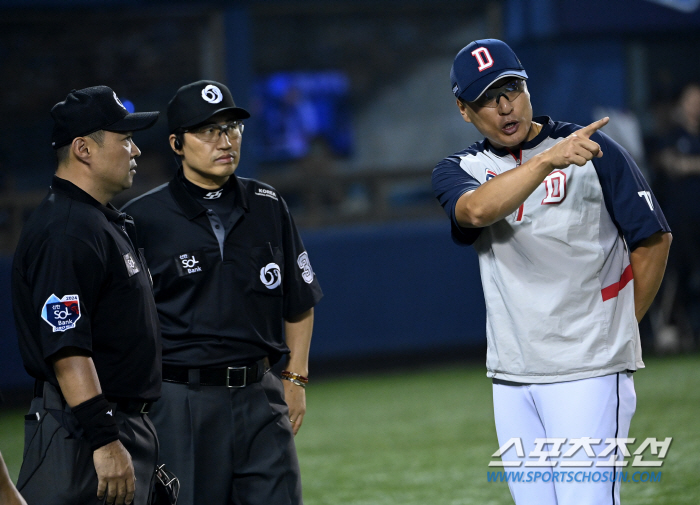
(134, 122)
(240, 113)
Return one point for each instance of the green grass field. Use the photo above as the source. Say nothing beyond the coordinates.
(427, 437)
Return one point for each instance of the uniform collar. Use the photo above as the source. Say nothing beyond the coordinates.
(75, 193)
(547, 125)
(189, 204)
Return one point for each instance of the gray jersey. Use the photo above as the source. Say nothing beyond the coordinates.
(556, 273)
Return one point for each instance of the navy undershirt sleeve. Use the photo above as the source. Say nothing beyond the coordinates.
(450, 182)
(628, 197)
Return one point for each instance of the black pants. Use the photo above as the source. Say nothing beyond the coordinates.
(229, 446)
(58, 468)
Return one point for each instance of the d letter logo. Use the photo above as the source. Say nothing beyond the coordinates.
(555, 185)
(483, 56)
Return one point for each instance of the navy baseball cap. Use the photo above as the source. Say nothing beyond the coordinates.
(88, 110)
(481, 63)
(196, 102)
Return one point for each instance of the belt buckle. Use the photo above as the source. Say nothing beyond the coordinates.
(228, 376)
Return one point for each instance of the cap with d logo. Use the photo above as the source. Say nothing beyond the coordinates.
(481, 63)
(88, 110)
(196, 102)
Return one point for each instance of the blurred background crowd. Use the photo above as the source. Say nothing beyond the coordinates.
(351, 109)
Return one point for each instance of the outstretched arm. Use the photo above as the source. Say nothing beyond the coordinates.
(648, 265)
(495, 199)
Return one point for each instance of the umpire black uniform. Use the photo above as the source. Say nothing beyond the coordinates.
(80, 288)
(228, 269)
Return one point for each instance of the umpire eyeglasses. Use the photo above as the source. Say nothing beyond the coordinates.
(213, 132)
(511, 90)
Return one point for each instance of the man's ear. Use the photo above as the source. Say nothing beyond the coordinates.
(80, 148)
(175, 144)
(463, 110)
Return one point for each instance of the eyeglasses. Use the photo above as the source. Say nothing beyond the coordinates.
(213, 132)
(511, 90)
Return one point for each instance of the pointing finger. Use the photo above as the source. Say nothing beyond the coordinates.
(589, 130)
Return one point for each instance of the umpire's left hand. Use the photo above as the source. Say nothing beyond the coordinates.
(295, 396)
(115, 474)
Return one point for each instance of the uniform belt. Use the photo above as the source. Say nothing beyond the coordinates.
(125, 405)
(132, 406)
(232, 376)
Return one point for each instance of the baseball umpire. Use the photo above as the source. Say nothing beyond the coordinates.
(235, 293)
(86, 319)
(572, 249)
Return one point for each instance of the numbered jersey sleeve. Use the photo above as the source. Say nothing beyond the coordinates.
(628, 197)
(301, 288)
(450, 182)
(64, 281)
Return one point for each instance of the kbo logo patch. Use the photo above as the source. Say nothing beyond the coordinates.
(271, 276)
(61, 313)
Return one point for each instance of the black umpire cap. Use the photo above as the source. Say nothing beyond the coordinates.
(196, 102)
(88, 110)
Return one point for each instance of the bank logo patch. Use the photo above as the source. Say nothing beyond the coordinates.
(266, 192)
(61, 313)
(307, 272)
(190, 264)
(271, 275)
(212, 94)
(132, 267)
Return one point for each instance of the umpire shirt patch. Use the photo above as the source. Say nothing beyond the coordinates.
(61, 313)
(190, 263)
(271, 276)
(132, 267)
(307, 272)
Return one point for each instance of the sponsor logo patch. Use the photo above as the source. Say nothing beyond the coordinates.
(61, 313)
(307, 272)
(266, 192)
(271, 275)
(132, 267)
(189, 263)
(213, 195)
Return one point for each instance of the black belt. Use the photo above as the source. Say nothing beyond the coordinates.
(232, 376)
(132, 406)
(127, 406)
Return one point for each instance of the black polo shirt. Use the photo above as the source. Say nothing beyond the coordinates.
(77, 281)
(223, 289)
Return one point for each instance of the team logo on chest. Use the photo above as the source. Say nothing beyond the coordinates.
(271, 275)
(555, 186)
(490, 174)
(61, 313)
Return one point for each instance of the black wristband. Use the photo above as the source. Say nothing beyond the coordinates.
(96, 417)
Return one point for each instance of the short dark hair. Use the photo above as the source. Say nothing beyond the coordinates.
(62, 152)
